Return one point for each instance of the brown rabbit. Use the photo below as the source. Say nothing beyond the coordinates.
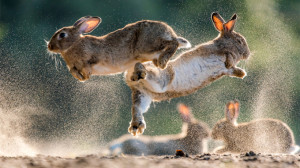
(190, 140)
(187, 73)
(117, 51)
(262, 135)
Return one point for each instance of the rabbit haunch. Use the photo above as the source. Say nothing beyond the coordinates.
(191, 140)
(87, 55)
(187, 73)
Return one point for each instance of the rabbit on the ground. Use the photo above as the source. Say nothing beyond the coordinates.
(261, 135)
(190, 140)
(116, 52)
(187, 73)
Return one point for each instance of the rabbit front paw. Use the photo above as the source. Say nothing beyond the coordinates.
(238, 72)
(137, 127)
(80, 75)
(230, 60)
(139, 72)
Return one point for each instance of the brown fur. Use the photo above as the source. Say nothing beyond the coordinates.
(261, 136)
(116, 51)
(229, 47)
(218, 46)
(138, 118)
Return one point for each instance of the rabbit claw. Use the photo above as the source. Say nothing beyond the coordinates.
(82, 75)
(137, 128)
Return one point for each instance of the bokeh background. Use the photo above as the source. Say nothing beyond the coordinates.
(43, 109)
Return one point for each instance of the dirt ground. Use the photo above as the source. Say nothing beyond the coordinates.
(204, 161)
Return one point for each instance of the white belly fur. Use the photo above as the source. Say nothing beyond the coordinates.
(100, 69)
(192, 74)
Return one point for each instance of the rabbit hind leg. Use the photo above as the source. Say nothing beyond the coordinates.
(168, 52)
(140, 104)
(139, 72)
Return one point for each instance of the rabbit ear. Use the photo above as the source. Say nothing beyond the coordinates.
(218, 21)
(185, 112)
(231, 112)
(87, 24)
(237, 108)
(79, 21)
(230, 24)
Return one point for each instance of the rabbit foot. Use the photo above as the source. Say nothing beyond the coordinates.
(168, 52)
(82, 77)
(238, 72)
(78, 75)
(137, 127)
(155, 62)
(229, 63)
(162, 62)
(139, 72)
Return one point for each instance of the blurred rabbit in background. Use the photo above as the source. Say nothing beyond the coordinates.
(190, 140)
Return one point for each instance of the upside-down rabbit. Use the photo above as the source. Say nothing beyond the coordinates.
(187, 73)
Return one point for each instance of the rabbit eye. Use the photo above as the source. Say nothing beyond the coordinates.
(62, 35)
(239, 41)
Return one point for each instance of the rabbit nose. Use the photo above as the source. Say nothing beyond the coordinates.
(50, 47)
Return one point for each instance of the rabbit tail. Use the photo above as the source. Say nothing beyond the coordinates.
(183, 43)
(294, 150)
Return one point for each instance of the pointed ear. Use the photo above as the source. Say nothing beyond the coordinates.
(237, 108)
(230, 24)
(87, 24)
(218, 21)
(79, 21)
(230, 112)
(185, 112)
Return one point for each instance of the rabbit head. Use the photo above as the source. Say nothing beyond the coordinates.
(228, 39)
(193, 128)
(224, 127)
(65, 37)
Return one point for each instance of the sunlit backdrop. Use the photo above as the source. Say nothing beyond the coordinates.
(43, 109)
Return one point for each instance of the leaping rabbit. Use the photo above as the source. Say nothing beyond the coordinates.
(116, 52)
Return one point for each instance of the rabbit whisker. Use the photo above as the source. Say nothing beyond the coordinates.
(53, 56)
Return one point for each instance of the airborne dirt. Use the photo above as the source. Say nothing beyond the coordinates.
(247, 160)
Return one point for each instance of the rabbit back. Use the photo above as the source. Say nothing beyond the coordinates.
(152, 34)
(263, 135)
(128, 145)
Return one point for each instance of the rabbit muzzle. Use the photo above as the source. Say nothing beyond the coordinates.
(53, 48)
(246, 55)
(50, 47)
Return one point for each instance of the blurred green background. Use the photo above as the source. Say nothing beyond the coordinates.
(41, 102)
